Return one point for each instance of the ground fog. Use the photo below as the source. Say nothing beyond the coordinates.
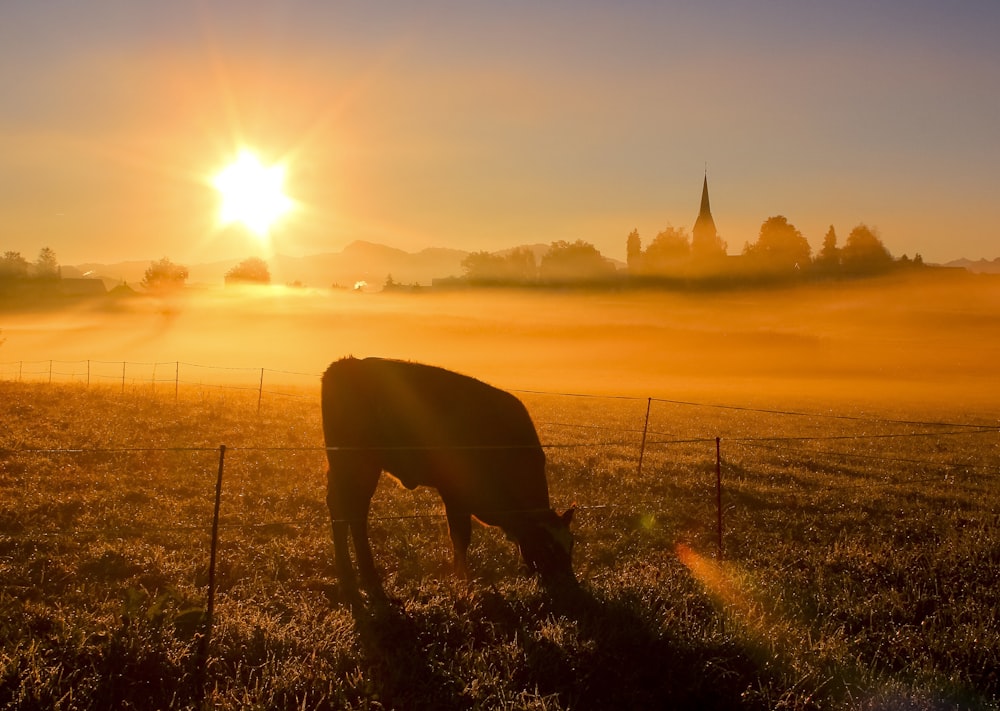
(924, 341)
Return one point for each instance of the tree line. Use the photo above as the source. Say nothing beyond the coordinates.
(780, 252)
(162, 275)
(15, 268)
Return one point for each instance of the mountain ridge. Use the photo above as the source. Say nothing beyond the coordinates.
(357, 261)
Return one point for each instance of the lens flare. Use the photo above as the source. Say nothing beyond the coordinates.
(252, 193)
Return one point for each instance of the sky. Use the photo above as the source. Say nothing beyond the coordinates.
(486, 125)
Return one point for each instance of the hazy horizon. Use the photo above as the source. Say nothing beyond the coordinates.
(886, 342)
(489, 126)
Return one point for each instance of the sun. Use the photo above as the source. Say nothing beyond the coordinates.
(252, 193)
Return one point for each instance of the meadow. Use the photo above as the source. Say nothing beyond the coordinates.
(860, 549)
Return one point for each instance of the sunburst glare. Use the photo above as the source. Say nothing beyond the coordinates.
(252, 193)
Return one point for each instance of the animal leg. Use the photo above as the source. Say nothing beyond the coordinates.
(349, 493)
(460, 530)
(363, 552)
(340, 523)
(342, 557)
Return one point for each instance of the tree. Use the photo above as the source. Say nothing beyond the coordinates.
(46, 266)
(828, 258)
(164, 275)
(521, 264)
(482, 266)
(576, 261)
(252, 270)
(669, 252)
(864, 253)
(633, 252)
(13, 266)
(515, 266)
(780, 247)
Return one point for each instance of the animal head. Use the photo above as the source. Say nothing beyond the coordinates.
(547, 546)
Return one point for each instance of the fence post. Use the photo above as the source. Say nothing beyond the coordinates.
(123, 377)
(210, 606)
(260, 390)
(645, 426)
(20, 367)
(88, 373)
(718, 491)
(177, 378)
(50, 372)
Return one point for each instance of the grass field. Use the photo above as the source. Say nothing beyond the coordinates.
(859, 569)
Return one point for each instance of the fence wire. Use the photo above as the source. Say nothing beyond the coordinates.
(652, 439)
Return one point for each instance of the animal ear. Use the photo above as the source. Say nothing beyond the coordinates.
(567, 515)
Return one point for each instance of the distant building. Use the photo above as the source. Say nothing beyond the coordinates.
(122, 291)
(705, 241)
(81, 288)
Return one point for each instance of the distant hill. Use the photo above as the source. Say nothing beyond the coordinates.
(358, 261)
(369, 262)
(981, 266)
(112, 274)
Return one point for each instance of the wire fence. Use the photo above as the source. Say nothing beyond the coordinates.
(169, 376)
(718, 452)
(164, 377)
(726, 463)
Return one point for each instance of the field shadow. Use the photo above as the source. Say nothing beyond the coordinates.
(396, 659)
(588, 649)
(631, 664)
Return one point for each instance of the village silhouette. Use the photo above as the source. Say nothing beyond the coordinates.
(672, 259)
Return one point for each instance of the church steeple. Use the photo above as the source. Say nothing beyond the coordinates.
(705, 239)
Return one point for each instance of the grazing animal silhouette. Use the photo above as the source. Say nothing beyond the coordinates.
(428, 426)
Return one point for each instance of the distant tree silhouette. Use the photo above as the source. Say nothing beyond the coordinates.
(828, 259)
(516, 266)
(633, 252)
(46, 266)
(864, 253)
(576, 261)
(483, 266)
(905, 262)
(163, 275)
(252, 270)
(780, 247)
(668, 253)
(13, 266)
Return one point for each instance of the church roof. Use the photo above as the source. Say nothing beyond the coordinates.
(705, 223)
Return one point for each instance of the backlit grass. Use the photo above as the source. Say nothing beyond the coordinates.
(856, 573)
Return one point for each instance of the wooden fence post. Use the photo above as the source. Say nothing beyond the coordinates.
(718, 491)
(645, 427)
(260, 390)
(210, 605)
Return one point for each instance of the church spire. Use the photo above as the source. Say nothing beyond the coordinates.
(706, 209)
(704, 238)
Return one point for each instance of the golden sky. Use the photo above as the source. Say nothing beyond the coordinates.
(489, 125)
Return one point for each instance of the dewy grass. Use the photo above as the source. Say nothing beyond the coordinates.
(856, 573)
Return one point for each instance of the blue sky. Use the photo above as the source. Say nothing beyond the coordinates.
(487, 125)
